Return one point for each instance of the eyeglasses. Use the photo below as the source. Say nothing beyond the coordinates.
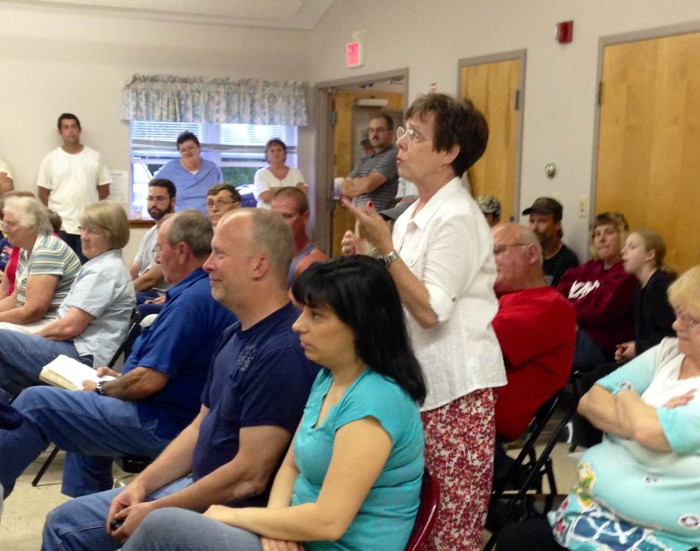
(500, 249)
(221, 203)
(376, 130)
(412, 135)
(686, 319)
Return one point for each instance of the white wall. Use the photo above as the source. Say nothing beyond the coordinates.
(430, 37)
(56, 60)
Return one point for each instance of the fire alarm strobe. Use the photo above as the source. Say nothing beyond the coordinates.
(565, 32)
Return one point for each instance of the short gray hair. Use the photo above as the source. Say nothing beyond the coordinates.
(273, 237)
(269, 235)
(528, 237)
(30, 213)
(191, 227)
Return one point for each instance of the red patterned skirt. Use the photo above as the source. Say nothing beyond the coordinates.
(459, 439)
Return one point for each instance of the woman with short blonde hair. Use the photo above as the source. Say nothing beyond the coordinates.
(94, 316)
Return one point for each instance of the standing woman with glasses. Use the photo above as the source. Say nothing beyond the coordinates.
(639, 488)
(441, 259)
(276, 174)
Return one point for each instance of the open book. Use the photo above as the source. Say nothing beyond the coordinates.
(65, 372)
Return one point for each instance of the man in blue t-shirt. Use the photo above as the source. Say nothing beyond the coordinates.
(251, 404)
(157, 393)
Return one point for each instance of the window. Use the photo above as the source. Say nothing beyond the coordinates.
(238, 149)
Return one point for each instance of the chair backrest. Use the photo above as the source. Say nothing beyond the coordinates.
(427, 512)
(132, 332)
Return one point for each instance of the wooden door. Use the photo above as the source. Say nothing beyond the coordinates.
(649, 140)
(343, 140)
(493, 88)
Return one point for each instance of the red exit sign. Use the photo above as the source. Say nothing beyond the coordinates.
(354, 55)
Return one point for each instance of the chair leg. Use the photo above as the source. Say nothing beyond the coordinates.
(45, 466)
(549, 467)
(489, 544)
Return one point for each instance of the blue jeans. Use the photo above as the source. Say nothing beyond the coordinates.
(22, 356)
(80, 423)
(80, 523)
(173, 529)
(587, 354)
(148, 294)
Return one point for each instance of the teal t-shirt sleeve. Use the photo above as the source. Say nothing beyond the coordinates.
(681, 427)
(381, 398)
(636, 374)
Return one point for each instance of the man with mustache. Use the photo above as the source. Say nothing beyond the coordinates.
(375, 178)
(545, 220)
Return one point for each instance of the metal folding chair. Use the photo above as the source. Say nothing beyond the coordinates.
(510, 505)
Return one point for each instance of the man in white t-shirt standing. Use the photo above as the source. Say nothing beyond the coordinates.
(72, 177)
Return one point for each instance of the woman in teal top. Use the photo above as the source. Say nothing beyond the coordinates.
(351, 479)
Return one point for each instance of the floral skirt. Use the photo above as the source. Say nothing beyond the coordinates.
(459, 439)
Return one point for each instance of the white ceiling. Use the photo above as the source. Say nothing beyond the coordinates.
(287, 14)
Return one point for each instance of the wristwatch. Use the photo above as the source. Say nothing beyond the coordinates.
(389, 258)
(98, 388)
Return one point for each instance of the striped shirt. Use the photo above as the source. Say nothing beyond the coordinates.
(50, 256)
(384, 163)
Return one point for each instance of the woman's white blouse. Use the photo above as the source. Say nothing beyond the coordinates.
(449, 247)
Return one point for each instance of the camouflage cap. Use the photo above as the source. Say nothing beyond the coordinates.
(546, 205)
(489, 204)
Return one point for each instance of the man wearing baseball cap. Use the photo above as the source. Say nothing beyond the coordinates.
(545, 220)
(491, 207)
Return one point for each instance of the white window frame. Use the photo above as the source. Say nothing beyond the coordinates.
(227, 145)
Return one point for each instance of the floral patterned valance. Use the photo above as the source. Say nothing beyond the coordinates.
(215, 101)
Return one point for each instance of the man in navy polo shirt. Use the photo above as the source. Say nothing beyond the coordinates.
(158, 392)
(251, 404)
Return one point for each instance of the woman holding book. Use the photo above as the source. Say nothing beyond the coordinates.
(93, 318)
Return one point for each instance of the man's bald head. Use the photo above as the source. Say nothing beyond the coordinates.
(518, 256)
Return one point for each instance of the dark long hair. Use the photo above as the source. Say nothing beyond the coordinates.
(362, 294)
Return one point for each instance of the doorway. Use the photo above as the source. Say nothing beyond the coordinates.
(344, 110)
